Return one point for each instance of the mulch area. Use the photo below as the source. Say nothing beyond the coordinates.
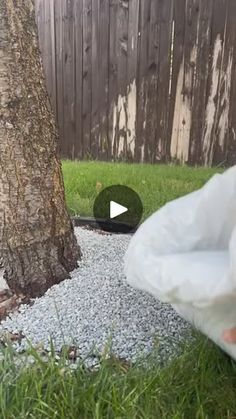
(10, 302)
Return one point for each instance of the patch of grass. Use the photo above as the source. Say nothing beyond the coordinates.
(155, 184)
(200, 384)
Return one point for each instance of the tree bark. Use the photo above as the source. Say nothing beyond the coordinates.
(38, 244)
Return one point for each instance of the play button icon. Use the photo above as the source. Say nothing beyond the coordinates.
(118, 209)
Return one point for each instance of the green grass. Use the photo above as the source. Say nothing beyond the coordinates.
(200, 384)
(155, 184)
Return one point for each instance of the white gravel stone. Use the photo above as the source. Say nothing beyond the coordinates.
(96, 311)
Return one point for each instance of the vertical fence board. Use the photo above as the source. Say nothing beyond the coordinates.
(122, 49)
(104, 77)
(132, 67)
(53, 57)
(64, 86)
(95, 116)
(216, 56)
(87, 75)
(231, 137)
(133, 35)
(225, 85)
(200, 84)
(78, 13)
(59, 75)
(177, 50)
(152, 79)
(112, 79)
(69, 77)
(142, 84)
(191, 39)
(165, 37)
(47, 48)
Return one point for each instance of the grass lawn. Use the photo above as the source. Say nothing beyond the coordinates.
(155, 184)
(201, 383)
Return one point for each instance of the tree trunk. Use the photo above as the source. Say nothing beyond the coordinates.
(38, 244)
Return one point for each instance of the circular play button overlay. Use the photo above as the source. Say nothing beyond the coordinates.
(118, 209)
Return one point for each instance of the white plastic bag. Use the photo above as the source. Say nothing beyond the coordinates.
(185, 254)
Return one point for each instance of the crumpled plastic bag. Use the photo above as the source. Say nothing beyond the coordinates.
(185, 254)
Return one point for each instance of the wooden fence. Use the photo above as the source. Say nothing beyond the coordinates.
(142, 80)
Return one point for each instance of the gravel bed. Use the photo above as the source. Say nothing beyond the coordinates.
(96, 310)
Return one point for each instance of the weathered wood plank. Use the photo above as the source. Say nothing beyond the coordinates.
(78, 11)
(189, 77)
(104, 77)
(200, 82)
(53, 56)
(47, 48)
(112, 81)
(122, 48)
(142, 84)
(176, 78)
(59, 75)
(152, 75)
(215, 68)
(69, 78)
(221, 129)
(231, 136)
(95, 117)
(87, 76)
(166, 18)
(132, 75)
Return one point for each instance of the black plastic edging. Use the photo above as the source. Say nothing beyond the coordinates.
(111, 226)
